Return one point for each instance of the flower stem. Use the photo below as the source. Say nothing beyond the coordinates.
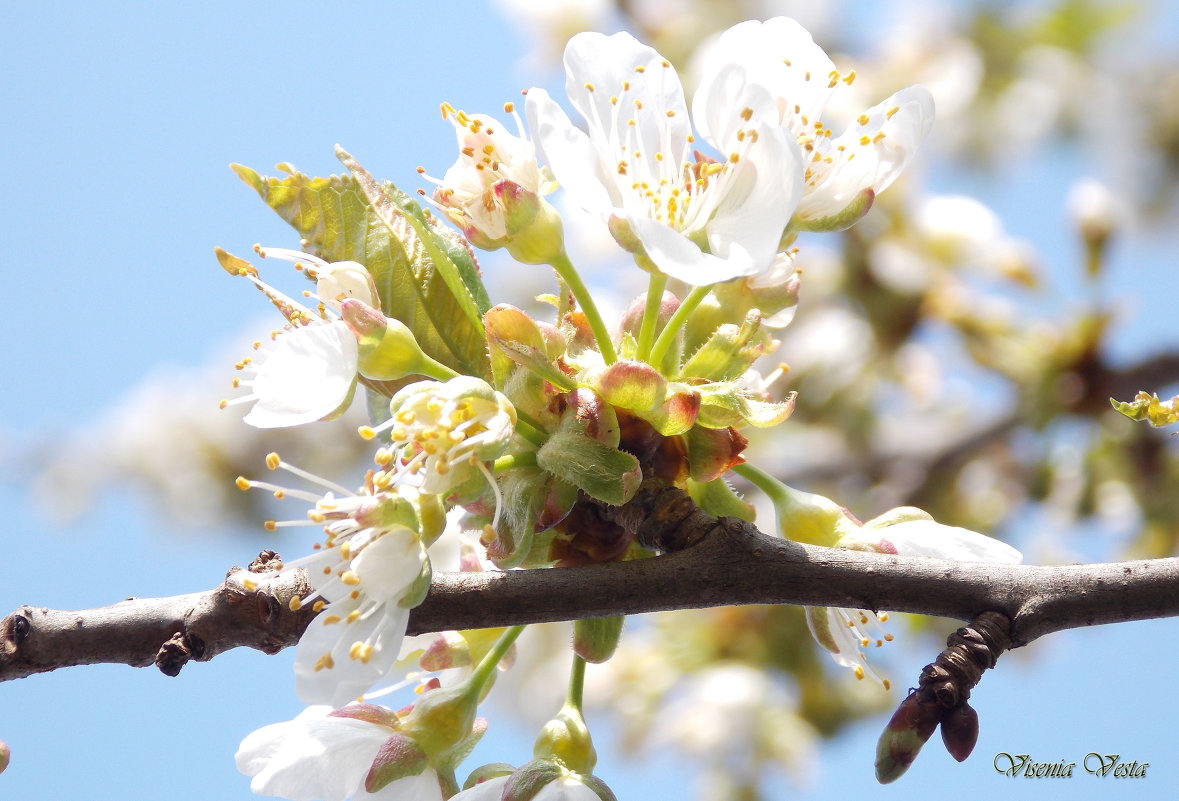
(569, 275)
(487, 665)
(655, 288)
(432, 368)
(512, 460)
(759, 478)
(667, 336)
(530, 430)
(576, 684)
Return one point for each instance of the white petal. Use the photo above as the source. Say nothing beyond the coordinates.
(566, 788)
(308, 375)
(764, 48)
(628, 79)
(389, 564)
(679, 257)
(892, 142)
(570, 154)
(490, 790)
(347, 678)
(422, 787)
(933, 540)
(311, 757)
(763, 187)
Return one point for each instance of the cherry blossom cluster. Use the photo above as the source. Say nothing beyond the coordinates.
(488, 419)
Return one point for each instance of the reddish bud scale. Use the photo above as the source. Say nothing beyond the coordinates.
(960, 731)
(909, 729)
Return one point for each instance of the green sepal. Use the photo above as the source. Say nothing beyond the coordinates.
(819, 623)
(370, 713)
(530, 778)
(492, 770)
(729, 352)
(719, 500)
(599, 788)
(465, 746)
(386, 511)
(726, 404)
(587, 413)
(604, 473)
(431, 517)
(398, 757)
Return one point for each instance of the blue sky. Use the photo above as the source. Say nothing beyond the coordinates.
(120, 123)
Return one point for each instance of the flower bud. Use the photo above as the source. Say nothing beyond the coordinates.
(960, 730)
(442, 719)
(595, 638)
(566, 739)
(806, 517)
(5, 755)
(542, 240)
(909, 729)
(388, 349)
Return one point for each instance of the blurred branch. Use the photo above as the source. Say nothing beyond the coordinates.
(1100, 382)
(730, 564)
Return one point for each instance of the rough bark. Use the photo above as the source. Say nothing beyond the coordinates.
(730, 563)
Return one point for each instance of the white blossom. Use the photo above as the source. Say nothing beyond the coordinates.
(701, 221)
(841, 172)
(323, 755)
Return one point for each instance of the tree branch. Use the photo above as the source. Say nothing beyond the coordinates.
(731, 564)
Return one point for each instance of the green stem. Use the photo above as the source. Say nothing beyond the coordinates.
(677, 321)
(655, 288)
(576, 684)
(432, 368)
(569, 275)
(482, 672)
(530, 430)
(511, 460)
(759, 478)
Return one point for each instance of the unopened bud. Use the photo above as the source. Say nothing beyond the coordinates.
(5, 755)
(910, 728)
(567, 739)
(595, 638)
(447, 650)
(960, 730)
(387, 348)
(542, 239)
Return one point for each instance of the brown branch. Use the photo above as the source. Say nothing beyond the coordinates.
(732, 564)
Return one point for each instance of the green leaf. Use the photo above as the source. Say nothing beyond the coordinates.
(1147, 406)
(339, 223)
(602, 472)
